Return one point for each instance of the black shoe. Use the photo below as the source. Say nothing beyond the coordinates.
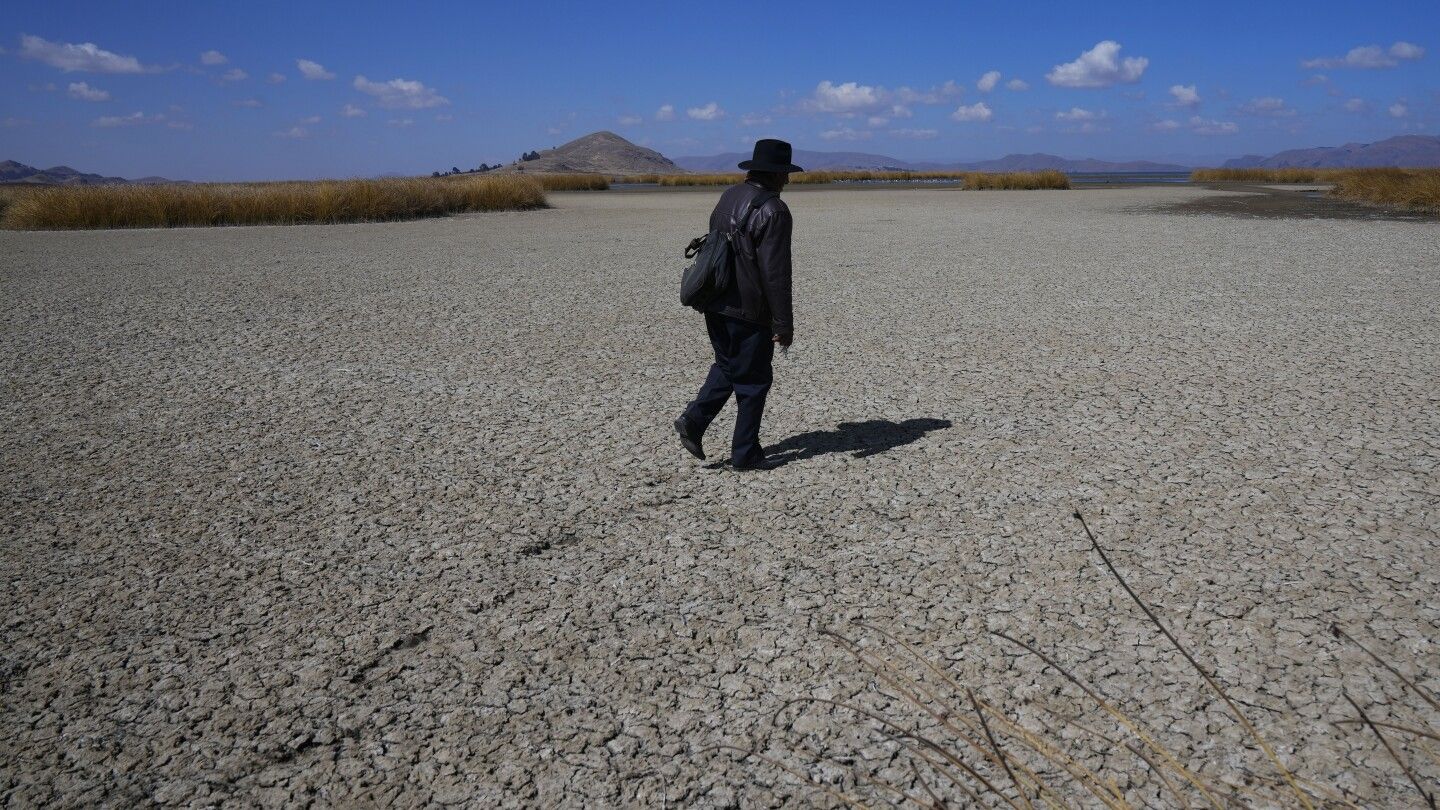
(761, 463)
(689, 442)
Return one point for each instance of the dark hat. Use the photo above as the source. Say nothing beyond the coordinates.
(770, 156)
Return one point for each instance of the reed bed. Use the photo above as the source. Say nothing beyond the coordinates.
(958, 749)
(970, 180)
(284, 203)
(1416, 189)
(573, 182)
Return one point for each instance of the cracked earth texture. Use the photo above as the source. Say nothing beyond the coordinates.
(394, 514)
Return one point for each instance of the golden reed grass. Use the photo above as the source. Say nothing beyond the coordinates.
(1404, 188)
(285, 203)
(573, 182)
(970, 180)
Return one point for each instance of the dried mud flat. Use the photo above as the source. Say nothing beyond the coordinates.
(392, 514)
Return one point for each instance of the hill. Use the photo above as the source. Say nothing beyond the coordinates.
(815, 161)
(598, 153)
(1402, 150)
(19, 173)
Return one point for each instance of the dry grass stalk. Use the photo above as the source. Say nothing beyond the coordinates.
(1417, 189)
(573, 182)
(1409, 774)
(288, 203)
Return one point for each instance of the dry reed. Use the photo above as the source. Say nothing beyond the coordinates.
(573, 182)
(1417, 189)
(285, 203)
(987, 757)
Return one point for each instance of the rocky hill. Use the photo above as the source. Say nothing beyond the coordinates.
(1402, 150)
(13, 172)
(598, 153)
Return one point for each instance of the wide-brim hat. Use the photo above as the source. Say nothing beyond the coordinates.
(770, 155)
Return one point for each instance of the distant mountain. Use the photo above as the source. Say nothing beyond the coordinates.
(598, 152)
(815, 161)
(13, 172)
(1402, 150)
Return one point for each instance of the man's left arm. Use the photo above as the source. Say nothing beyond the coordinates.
(773, 254)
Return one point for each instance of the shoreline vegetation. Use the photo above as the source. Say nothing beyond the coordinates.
(281, 203)
(336, 201)
(1412, 189)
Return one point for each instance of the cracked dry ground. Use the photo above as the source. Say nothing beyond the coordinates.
(393, 514)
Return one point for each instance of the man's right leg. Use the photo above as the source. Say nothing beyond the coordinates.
(717, 388)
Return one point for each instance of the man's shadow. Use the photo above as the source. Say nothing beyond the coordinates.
(863, 439)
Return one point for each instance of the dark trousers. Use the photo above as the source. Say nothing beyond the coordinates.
(743, 352)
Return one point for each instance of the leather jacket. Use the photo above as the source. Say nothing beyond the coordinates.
(761, 293)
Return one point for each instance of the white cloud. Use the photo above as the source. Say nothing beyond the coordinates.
(405, 122)
(630, 120)
(293, 133)
(234, 75)
(213, 58)
(1268, 106)
(1185, 95)
(1357, 105)
(900, 111)
(1369, 57)
(978, 111)
(1316, 80)
(988, 81)
(915, 134)
(1206, 126)
(665, 113)
(710, 112)
(935, 95)
(1017, 85)
(754, 120)
(84, 92)
(276, 78)
(1168, 125)
(845, 134)
(133, 119)
(249, 102)
(1101, 66)
(313, 70)
(548, 130)
(877, 120)
(313, 119)
(1399, 110)
(86, 56)
(398, 94)
(351, 111)
(845, 97)
(1078, 114)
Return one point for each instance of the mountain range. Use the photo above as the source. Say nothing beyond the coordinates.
(862, 160)
(1404, 150)
(12, 172)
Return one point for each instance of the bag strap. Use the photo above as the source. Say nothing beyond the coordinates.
(754, 204)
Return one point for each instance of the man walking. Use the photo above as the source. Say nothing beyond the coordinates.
(754, 314)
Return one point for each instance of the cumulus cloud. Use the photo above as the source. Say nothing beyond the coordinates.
(253, 103)
(1101, 66)
(914, 134)
(710, 112)
(987, 82)
(133, 119)
(629, 120)
(1206, 126)
(213, 58)
(1399, 110)
(1078, 114)
(293, 133)
(1185, 95)
(313, 70)
(276, 78)
(978, 111)
(754, 120)
(665, 113)
(401, 94)
(85, 92)
(84, 57)
(1017, 85)
(1268, 106)
(849, 99)
(351, 111)
(845, 134)
(1357, 105)
(234, 75)
(1369, 57)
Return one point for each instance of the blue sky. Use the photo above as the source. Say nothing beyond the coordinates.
(254, 90)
